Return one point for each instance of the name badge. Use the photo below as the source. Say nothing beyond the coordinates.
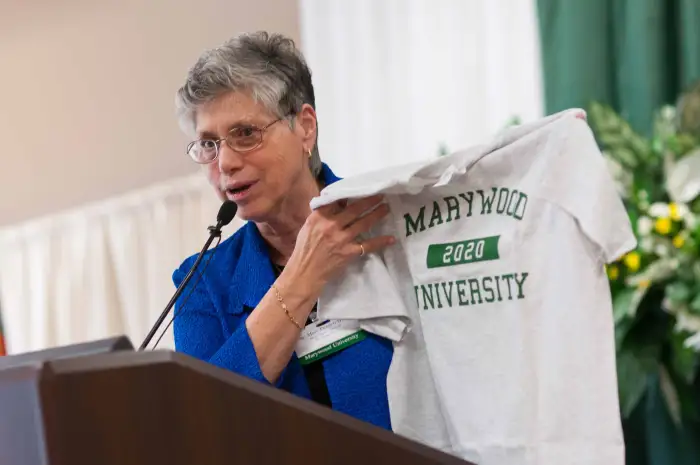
(319, 339)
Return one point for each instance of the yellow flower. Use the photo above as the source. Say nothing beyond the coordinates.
(644, 283)
(613, 272)
(674, 211)
(678, 241)
(663, 225)
(632, 261)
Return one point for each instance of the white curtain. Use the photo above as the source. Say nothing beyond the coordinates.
(397, 79)
(102, 270)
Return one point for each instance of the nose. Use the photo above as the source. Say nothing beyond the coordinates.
(229, 161)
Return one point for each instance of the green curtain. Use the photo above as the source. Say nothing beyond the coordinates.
(635, 55)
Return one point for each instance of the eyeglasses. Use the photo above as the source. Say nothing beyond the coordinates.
(240, 139)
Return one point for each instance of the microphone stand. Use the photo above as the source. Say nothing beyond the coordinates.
(214, 232)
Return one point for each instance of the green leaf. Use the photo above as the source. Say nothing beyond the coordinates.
(443, 150)
(686, 273)
(688, 398)
(674, 144)
(632, 374)
(617, 136)
(622, 328)
(514, 121)
(686, 143)
(695, 304)
(622, 303)
(612, 140)
(670, 395)
(633, 215)
(678, 292)
(684, 360)
(641, 147)
(625, 157)
(626, 302)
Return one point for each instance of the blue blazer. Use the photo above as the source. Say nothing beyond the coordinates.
(210, 326)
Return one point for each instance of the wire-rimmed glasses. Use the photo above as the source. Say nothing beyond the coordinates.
(241, 139)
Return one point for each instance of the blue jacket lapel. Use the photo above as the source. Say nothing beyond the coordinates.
(253, 274)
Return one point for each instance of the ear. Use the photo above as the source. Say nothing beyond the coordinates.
(307, 127)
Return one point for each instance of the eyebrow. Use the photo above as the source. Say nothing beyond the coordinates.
(237, 124)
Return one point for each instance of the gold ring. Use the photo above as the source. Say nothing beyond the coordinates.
(362, 249)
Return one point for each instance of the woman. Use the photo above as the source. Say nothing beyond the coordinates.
(250, 107)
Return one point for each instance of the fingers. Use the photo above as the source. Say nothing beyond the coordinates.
(333, 208)
(341, 223)
(366, 222)
(375, 244)
(351, 212)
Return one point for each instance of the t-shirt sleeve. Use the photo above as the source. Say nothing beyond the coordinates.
(366, 291)
(579, 182)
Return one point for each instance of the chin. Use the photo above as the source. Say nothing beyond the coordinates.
(257, 212)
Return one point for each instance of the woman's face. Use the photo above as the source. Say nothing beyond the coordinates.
(262, 180)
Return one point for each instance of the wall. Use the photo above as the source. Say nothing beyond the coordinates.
(87, 92)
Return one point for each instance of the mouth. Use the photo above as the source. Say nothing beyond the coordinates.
(240, 191)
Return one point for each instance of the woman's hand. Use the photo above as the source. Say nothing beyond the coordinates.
(325, 245)
(328, 241)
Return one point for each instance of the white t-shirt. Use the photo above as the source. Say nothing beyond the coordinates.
(495, 296)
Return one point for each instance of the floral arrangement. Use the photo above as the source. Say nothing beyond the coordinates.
(656, 288)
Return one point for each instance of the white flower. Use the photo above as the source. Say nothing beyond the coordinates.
(668, 112)
(643, 195)
(683, 180)
(644, 225)
(687, 322)
(661, 250)
(667, 305)
(657, 270)
(659, 210)
(646, 244)
(681, 209)
(690, 220)
(693, 342)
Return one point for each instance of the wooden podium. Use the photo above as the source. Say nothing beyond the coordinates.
(105, 404)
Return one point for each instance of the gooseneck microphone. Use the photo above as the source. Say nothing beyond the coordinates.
(225, 216)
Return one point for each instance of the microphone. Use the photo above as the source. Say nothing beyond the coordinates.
(225, 216)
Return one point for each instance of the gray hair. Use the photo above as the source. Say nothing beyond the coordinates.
(267, 66)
